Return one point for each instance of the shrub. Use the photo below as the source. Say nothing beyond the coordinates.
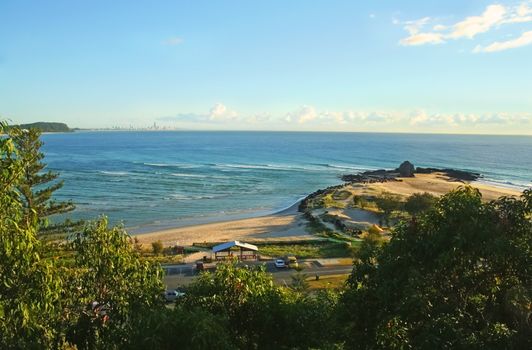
(419, 203)
(157, 247)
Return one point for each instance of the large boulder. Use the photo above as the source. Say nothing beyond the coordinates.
(406, 169)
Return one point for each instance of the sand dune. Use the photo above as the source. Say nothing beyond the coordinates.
(438, 184)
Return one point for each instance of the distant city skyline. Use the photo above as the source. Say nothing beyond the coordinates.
(387, 66)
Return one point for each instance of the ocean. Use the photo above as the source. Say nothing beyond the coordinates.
(154, 180)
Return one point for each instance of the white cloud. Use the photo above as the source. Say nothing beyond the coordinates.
(524, 40)
(472, 26)
(424, 119)
(492, 17)
(219, 112)
(414, 27)
(422, 39)
(523, 13)
(173, 41)
(303, 115)
(524, 10)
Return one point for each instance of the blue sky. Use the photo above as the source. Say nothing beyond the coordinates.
(397, 66)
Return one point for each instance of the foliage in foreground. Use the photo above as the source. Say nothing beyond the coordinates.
(261, 315)
(459, 277)
(112, 286)
(30, 290)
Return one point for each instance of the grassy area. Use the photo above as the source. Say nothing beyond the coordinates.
(327, 282)
(329, 202)
(308, 250)
(341, 195)
(165, 259)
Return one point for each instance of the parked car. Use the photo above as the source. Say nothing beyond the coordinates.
(291, 261)
(172, 295)
(279, 263)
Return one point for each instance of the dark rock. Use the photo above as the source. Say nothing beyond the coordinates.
(406, 169)
(454, 174)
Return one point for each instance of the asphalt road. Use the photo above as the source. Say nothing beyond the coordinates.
(182, 275)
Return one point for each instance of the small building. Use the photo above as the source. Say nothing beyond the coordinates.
(235, 249)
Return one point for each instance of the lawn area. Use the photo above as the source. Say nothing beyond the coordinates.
(308, 250)
(327, 282)
(165, 259)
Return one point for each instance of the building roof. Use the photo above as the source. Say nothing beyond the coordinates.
(229, 245)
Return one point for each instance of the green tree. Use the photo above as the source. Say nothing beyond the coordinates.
(157, 247)
(182, 328)
(299, 282)
(30, 289)
(36, 186)
(260, 315)
(387, 204)
(113, 288)
(419, 203)
(457, 277)
(360, 201)
(94, 297)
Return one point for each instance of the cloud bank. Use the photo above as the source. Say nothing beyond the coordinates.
(308, 117)
(494, 16)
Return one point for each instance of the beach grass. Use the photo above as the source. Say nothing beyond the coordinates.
(328, 201)
(341, 195)
(324, 249)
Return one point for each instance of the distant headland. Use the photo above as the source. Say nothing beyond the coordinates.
(47, 127)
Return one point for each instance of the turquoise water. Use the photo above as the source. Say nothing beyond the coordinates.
(151, 180)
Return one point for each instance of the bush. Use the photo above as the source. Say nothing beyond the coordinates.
(360, 201)
(388, 203)
(419, 203)
(157, 247)
(261, 315)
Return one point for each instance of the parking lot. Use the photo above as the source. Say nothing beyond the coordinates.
(182, 275)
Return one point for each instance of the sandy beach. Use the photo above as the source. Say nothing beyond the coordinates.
(285, 225)
(290, 225)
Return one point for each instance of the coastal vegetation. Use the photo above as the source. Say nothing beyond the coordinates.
(419, 203)
(455, 274)
(456, 277)
(45, 127)
(157, 247)
(37, 186)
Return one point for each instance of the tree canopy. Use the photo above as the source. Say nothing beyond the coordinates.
(418, 203)
(35, 185)
(457, 277)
